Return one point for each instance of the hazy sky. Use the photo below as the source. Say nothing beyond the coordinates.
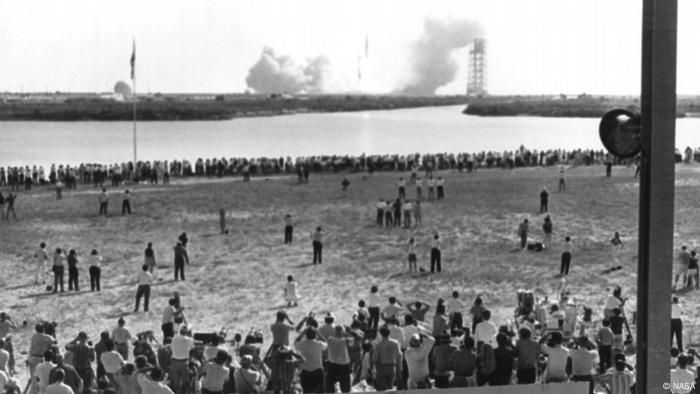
(539, 46)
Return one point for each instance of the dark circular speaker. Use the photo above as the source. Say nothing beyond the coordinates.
(620, 133)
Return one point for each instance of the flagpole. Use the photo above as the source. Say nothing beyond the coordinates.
(133, 98)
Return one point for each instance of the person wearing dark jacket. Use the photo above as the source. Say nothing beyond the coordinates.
(544, 200)
(181, 259)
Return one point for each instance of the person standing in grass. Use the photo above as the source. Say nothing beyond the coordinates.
(42, 257)
(104, 200)
(373, 302)
(544, 200)
(73, 271)
(402, 188)
(440, 188)
(562, 181)
(59, 260)
(547, 228)
(566, 256)
(94, 262)
(181, 259)
(126, 203)
(290, 291)
(317, 243)
(288, 229)
(616, 243)
(431, 188)
(380, 213)
(417, 214)
(523, 229)
(149, 257)
(419, 189)
(435, 254)
(412, 260)
(407, 209)
(144, 290)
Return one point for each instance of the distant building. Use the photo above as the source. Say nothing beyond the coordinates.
(477, 80)
(122, 88)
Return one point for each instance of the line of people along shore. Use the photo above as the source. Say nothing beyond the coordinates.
(101, 174)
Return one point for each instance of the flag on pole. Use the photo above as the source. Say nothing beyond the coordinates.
(133, 60)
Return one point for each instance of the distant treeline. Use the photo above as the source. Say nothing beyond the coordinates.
(184, 107)
(582, 106)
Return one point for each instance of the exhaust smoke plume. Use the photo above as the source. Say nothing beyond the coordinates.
(280, 74)
(431, 63)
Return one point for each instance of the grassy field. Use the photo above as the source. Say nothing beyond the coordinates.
(235, 280)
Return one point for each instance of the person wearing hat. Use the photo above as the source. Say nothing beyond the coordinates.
(181, 259)
(152, 383)
(83, 357)
(417, 360)
(247, 379)
(216, 373)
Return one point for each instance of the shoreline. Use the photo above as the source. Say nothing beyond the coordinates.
(214, 108)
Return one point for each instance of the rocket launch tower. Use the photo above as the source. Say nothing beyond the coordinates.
(476, 82)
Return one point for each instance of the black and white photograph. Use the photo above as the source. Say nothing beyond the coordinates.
(326, 196)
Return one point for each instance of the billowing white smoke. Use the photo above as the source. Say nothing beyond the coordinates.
(431, 63)
(280, 74)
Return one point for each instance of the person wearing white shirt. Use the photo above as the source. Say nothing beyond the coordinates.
(682, 379)
(486, 331)
(677, 323)
(395, 332)
(380, 213)
(373, 302)
(144, 289)
(566, 256)
(455, 308)
(419, 189)
(94, 263)
(407, 209)
(43, 371)
(181, 346)
(58, 387)
(402, 188)
(42, 257)
(431, 188)
(417, 359)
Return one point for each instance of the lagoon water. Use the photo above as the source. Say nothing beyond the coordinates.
(424, 130)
